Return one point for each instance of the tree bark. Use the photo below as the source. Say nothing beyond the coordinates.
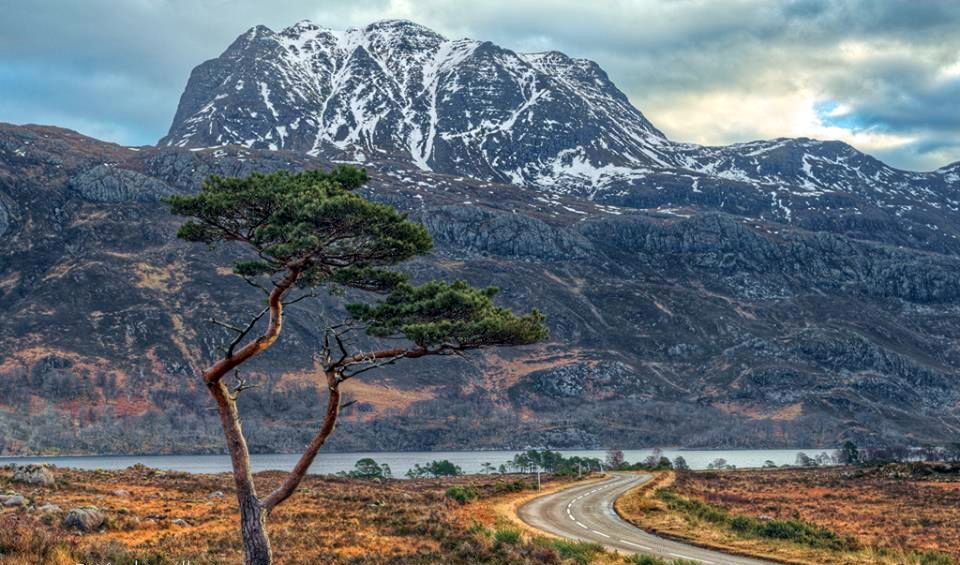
(253, 515)
(253, 530)
(290, 484)
(274, 325)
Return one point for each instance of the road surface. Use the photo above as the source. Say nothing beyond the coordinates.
(585, 513)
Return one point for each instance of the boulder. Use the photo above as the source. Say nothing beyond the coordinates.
(34, 475)
(121, 493)
(85, 519)
(12, 500)
(216, 494)
(48, 509)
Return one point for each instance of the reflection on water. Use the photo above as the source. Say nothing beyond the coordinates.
(401, 462)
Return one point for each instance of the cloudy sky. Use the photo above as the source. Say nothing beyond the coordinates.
(883, 75)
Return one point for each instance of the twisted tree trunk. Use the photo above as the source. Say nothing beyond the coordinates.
(290, 484)
(253, 514)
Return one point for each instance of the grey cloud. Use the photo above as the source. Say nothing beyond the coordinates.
(124, 62)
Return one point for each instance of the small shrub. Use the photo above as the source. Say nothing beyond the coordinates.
(579, 552)
(478, 529)
(742, 524)
(507, 536)
(462, 494)
(504, 487)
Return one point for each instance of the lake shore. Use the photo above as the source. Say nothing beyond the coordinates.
(401, 462)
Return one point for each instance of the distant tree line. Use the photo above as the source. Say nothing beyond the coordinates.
(851, 454)
(656, 461)
(553, 462)
(436, 469)
(368, 469)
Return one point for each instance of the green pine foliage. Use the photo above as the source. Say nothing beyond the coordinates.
(554, 462)
(368, 469)
(311, 221)
(439, 313)
(462, 494)
(315, 223)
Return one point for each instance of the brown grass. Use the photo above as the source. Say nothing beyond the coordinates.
(895, 517)
(330, 520)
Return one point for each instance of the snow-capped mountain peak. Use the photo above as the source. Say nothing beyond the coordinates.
(397, 88)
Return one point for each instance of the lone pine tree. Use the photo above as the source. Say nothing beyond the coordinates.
(309, 230)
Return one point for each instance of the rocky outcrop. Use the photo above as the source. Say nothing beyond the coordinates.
(590, 381)
(766, 263)
(106, 183)
(186, 170)
(4, 217)
(12, 500)
(477, 230)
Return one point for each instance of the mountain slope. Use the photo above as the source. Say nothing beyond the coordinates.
(774, 293)
(707, 330)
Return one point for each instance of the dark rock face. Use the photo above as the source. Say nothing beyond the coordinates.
(593, 381)
(775, 293)
(104, 183)
(4, 219)
(477, 231)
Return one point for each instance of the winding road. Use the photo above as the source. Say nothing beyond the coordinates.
(585, 513)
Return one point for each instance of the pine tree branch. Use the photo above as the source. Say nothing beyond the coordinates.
(242, 333)
(299, 298)
(240, 386)
(344, 375)
(217, 322)
(256, 285)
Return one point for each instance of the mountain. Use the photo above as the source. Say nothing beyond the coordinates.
(789, 292)
(397, 90)
(462, 107)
